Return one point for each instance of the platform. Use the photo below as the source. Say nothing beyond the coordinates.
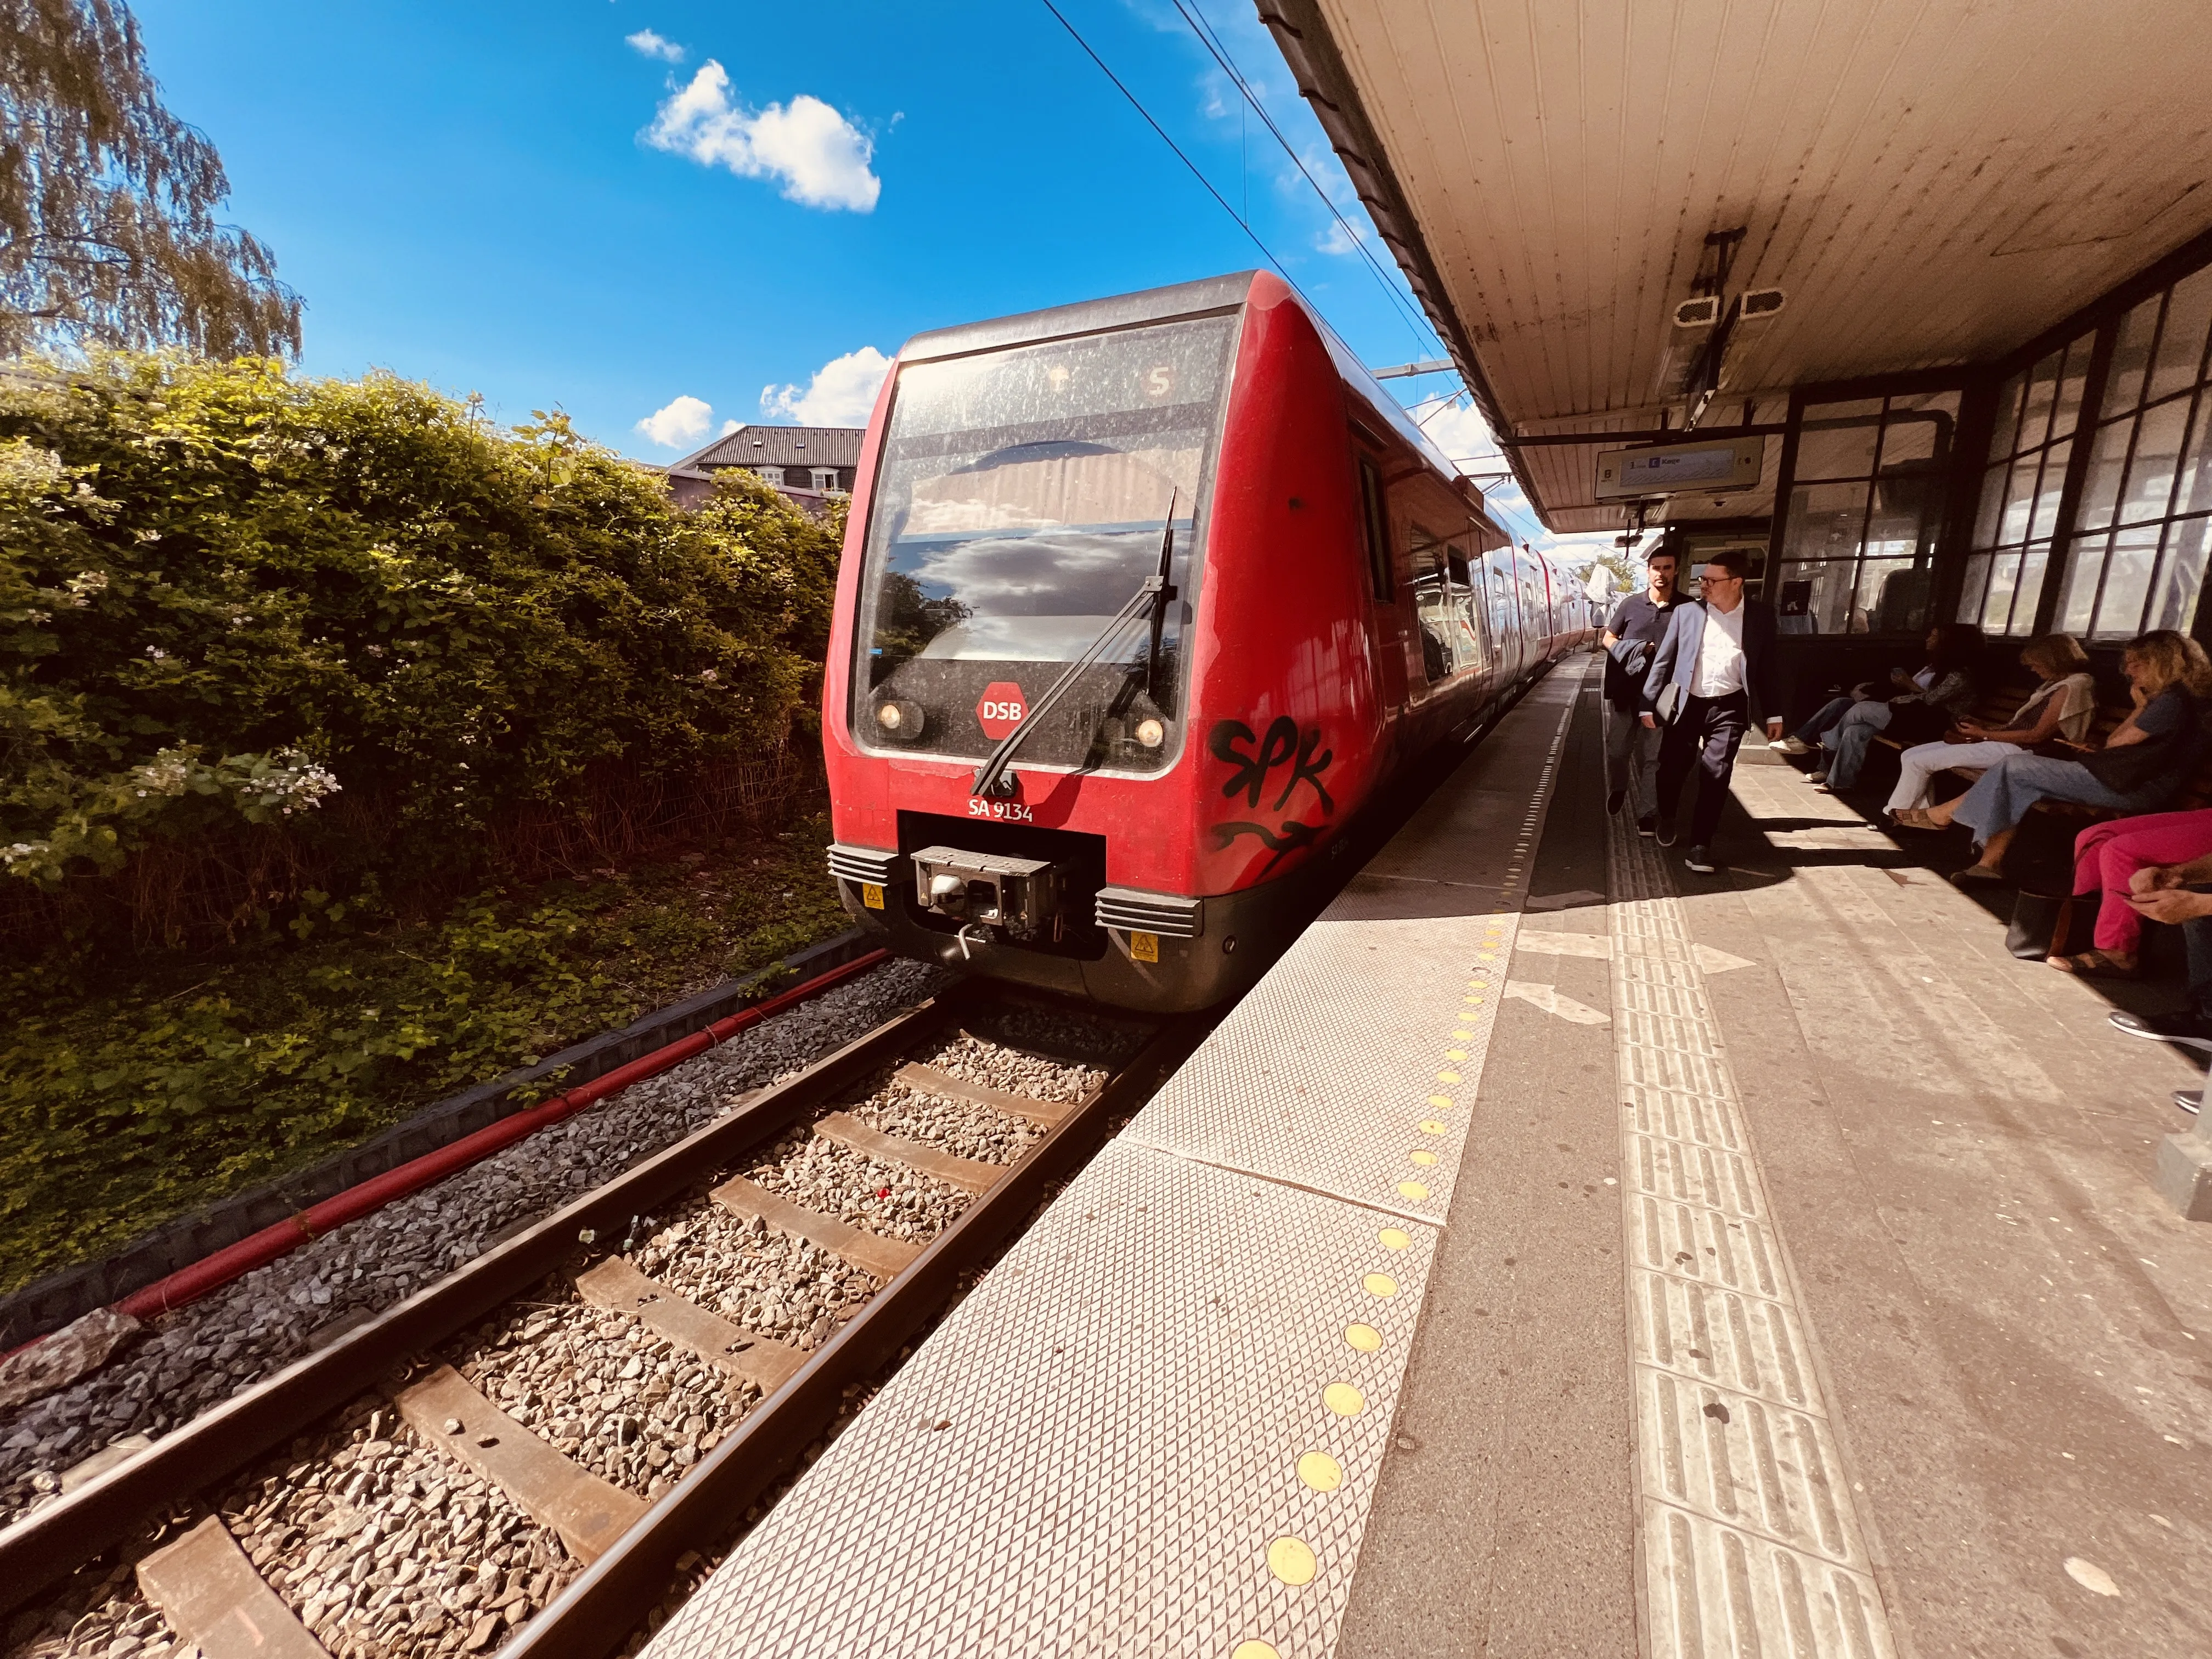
(1559, 1253)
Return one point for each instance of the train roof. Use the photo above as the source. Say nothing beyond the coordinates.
(1156, 305)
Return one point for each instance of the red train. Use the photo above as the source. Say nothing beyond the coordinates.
(1143, 602)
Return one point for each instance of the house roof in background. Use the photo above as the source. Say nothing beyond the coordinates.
(780, 446)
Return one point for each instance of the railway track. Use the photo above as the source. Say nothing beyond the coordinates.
(519, 1457)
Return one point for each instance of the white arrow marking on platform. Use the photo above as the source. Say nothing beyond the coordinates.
(1561, 901)
(1565, 944)
(1548, 999)
(1717, 962)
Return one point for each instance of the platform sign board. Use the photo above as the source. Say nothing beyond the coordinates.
(1688, 468)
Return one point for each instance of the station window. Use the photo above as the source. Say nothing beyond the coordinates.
(2137, 556)
(825, 477)
(770, 474)
(2038, 411)
(1865, 501)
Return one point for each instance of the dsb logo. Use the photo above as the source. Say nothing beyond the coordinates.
(1000, 709)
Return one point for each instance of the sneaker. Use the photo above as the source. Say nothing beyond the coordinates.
(1817, 777)
(1665, 829)
(1791, 746)
(2189, 1100)
(1700, 859)
(1614, 801)
(1648, 825)
(2186, 1030)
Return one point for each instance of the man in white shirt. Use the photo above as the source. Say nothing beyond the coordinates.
(1713, 675)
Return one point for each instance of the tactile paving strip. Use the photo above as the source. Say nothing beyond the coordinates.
(1132, 1438)
(1157, 1426)
(1749, 1533)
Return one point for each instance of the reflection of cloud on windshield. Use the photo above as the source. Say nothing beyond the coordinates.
(1068, 574)
(1108, 488)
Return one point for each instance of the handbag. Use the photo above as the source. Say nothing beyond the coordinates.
(2040, 926)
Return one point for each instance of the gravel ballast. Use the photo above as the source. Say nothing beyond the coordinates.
(200, 1355)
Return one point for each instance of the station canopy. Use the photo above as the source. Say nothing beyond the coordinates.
(1925, 184)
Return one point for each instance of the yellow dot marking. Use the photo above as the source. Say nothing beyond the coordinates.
(1394, 1238)
(1454, 1054)
(1447, 1077)
(1366, 1338)
(1344, 1400)
(1461, 1037)
(1425, 1157)
(1432, 1127)
(1413, 1190)
(1484, 956)
(1442, 1102)
(1476, 1000)
(1290, 1561)
(1321, 1472)
(1380, 1285)
(1255, 1650)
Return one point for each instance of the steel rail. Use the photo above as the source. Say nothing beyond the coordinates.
(604, 1604)
(46, 1545)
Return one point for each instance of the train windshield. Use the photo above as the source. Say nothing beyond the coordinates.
(1022, 499)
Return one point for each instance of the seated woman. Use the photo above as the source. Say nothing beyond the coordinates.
(2106, 859)
(1942, 680)
(2061, 707)
(2140, 767)
(1946, 691)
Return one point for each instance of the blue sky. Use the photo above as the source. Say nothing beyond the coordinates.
(663, 217)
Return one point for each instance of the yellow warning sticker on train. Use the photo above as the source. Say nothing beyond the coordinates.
(1144, 947)
(871, 895)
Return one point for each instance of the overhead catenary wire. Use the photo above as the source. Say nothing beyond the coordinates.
(1137, 104)
(1206, 38)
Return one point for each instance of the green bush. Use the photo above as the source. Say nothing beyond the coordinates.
(261, 633)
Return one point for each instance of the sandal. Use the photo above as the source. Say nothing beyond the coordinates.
(1974, 874)
(1915, 818)
(2094, 964)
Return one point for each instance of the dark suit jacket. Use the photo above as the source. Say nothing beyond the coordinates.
(1676, 661)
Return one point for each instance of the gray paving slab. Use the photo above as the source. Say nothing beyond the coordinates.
(1504, 1521)
(2017, 1333)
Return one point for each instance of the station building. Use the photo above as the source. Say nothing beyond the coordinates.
(1950, 267)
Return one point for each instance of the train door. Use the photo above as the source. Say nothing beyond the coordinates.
(1386, 627)
(1505, 606)
(1470, 646)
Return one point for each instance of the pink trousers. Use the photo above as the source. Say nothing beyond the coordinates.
(2106, 854)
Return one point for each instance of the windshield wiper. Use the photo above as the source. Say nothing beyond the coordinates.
(992, 778)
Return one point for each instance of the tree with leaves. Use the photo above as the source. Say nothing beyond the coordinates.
(107, 234)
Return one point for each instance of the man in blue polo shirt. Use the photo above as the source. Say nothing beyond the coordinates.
(1631, 747)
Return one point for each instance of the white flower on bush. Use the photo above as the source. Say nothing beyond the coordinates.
(169, 773)
(287, 780)
(22, 851)
(157, 653)
(711, 676)
(82, 585)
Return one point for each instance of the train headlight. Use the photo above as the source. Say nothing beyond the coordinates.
(899, 719)
(1152, 732)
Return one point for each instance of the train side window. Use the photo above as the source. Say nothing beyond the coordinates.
(1432, 604)
(1374, 530)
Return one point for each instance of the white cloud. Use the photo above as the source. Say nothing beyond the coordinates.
(652, 45)
(680, 422)
(821, 158)
(842, 393)
(1335, 239)
(1460, 431)
(728, 427)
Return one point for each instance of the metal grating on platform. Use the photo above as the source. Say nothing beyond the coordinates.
(1157, 1426)
(1750, 1535)
(1134, 1438)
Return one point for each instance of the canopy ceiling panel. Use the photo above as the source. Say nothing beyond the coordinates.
(1928, 182)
